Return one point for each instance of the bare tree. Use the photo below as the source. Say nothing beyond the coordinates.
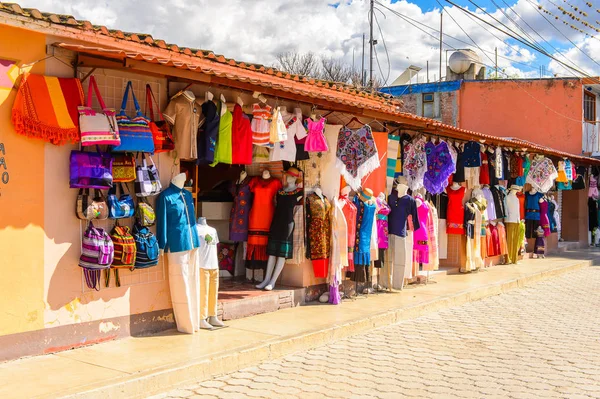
(306, 64)
(337, 70)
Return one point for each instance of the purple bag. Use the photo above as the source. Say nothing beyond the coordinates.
(90, 170)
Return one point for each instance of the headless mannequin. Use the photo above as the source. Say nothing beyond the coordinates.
(319, 192)
(243, 176)
(266, 174)
(455, 186)
(275, 264)
(208, 96)
(212, 321)
(402, 190)
(179, 181)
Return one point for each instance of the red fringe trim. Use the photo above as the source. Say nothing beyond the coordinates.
(256, 252)
(29, 127)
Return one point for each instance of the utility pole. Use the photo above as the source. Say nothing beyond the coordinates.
(427, 71)
(371, 44)
(362, 71)
(496, 63)
(441, 43)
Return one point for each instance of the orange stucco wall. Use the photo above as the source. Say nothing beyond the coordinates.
(547, 112)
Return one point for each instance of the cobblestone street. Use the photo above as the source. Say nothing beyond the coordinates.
(541, 341)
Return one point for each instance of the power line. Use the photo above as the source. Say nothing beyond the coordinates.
(386, 51)
(411, 21)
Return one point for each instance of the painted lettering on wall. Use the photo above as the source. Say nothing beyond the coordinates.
(4, 177)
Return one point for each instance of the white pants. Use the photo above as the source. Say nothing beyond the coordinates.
(184, 282)
(442, 239)
(472, 176)
(401, 252)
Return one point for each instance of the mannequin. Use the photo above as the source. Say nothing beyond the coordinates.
(282, 229)
(319, 192)
(208, 261)
(455, 186)
(349, 211)
(366, 235)
(266, 174)
(208, 96)
(243, 176)
(176, 233)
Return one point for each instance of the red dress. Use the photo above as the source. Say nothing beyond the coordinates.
(484, 171)
(455, 215)
(261, 216)
(241, 138)
(521, 198)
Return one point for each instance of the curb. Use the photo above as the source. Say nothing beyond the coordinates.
(228, 362)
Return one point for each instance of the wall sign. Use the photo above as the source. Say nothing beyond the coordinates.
(4, 177)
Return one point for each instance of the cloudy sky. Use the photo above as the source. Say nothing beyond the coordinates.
(257, 30)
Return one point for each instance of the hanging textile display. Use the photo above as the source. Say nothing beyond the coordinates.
(383, 210)
(183, 112)
(366, 234)
(261, 124)
(356, 154)
(46, 108)
(439, 167)
(415, 163)
(542, 174)
(224, 146)
(339, 251)
(240, 211)
(241, 136)
(315, 142)
(318, 233)
(434, 245)
(456, 211)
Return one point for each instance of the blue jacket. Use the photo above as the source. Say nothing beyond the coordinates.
(175, 228)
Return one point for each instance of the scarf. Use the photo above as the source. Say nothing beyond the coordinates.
(356, 154)
(46, 108)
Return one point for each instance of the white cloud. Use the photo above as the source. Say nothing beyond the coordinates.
(255, 31)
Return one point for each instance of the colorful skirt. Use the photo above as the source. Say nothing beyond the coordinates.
(280, 248)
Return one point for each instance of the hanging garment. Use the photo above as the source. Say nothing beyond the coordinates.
(400, 210)
(459, 174)
(356, 154)
(421, 236)
(498, 164)
(261, 215)
(523, 165)
(241, 136)
(434, 256)
(541, 174)
(261, 124)
(592, 214)
(593, 187)
(562, 174)
(499, 203)
(281, 232)
(223, 148)
(544, 220)
(515, 169)
(350, 211)
(513, 243)
(315, 142)
(175, 221)
(502, 238)
(440, 202)
(286, 150)
(415, 163)
(46, 108)
(556, 215)
(365, 219)
(403, 140)
(472, 154)
(484, 171)
(491, 209)
(299, 246)
(277, 130)
(184, 284)
(551, 209)
(240, 211)
(472, 176)
(513, 211)
(318, 233)
(439, 167)
(505, 165)
(521, 198)
(456, 211)
(339, 251)
(183, 112)
(493, 241)
(472, 224)
(383, 210)
(206, 140)
(539, 247)
(491, 154)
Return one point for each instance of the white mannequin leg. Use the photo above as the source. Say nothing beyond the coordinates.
(269, 273)
(276, 273)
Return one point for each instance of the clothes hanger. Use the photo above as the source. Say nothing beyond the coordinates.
(354, 119)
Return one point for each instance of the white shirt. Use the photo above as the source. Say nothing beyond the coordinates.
(208, 257)
(286, 150)
(513, 208)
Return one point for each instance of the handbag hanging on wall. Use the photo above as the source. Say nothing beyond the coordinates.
(97, 254)
(90, 169)
(135, 132)
(161, 131)
(145, 214)
(123, 168)
(120, 207)
(90, 207)
(147, 181)
(97, 127)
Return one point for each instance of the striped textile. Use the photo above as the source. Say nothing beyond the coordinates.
(125, 248)
(46, 108)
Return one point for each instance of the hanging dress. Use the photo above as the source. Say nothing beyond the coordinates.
(281, 233)
(339, 251)
(241, 137)
(261, 216)
(421, 235)
(415, 163)
(383, 210)
(206, 140)
(350, 211)
(240, 211)
(224, 149)
(261, 125)
(318, 233)
(365, 223)
(484, 171)
(473, 230)
(439, 167)
(315, 142)
(456, 211)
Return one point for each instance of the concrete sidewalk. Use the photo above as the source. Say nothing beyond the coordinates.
(139, 367)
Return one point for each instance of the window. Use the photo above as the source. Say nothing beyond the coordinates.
(589, 106)
(428, 102)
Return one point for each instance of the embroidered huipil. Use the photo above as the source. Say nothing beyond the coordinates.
(356, 154)
(261, 125)
(439, 167)
(277, 130)
(364, 231)
(415, 163)
(318, 223)
(542, 174)
(350, 211)
(175, 220)
(421, 235)
(240, 211)
(383, 210)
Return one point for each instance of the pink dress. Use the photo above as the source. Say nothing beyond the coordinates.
(421, 235)
(315, 142)
(383, 210)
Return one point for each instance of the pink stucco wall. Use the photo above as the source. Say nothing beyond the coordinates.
(544, 111)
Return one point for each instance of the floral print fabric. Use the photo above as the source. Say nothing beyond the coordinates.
(356, 154)
(240, 211)
(383, 210)
(415, 163)
(439, 167)
(318, 223)
(542, 174)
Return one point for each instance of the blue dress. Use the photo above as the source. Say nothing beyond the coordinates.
(365, 217)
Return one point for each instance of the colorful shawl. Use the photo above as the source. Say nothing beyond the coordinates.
(542, 174)
(415, 163)
(46, 108)
(439, 167)
(356, 154)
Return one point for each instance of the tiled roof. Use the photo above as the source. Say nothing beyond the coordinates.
(145, 48)
(146, 39)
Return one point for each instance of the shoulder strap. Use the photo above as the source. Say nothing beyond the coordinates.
(93, 87)
(151, 101)
(126, 97)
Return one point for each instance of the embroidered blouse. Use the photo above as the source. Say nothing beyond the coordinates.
(318, 223)
(472, 154)
(400, 210)
(439, 167)
(364, 231)
(240, 211)
(350, 211)
(542, 174)
(383, 210)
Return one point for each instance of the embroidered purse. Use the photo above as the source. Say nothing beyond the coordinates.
(97, 127)
(90, 169)
(161, 131)
(90, 207)
(145, 214)
(120, 207)
(147, 182)
(135, 132)
(123, 168)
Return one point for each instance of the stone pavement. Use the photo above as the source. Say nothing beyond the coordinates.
(541, 341)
